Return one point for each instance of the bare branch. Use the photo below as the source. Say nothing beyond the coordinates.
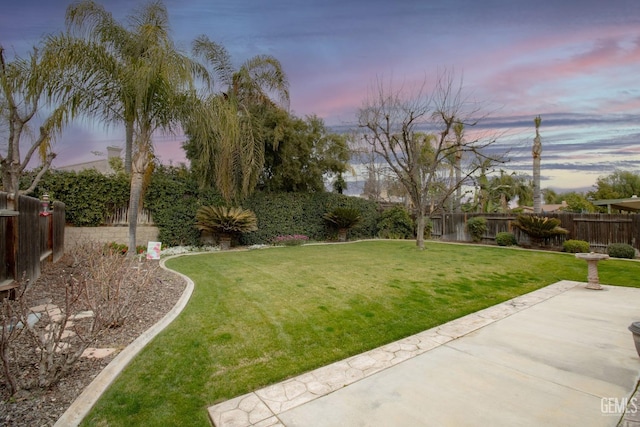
(421, 140)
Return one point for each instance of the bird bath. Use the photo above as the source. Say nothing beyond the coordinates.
(592, 259)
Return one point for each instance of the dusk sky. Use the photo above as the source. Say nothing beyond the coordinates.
(575, 63)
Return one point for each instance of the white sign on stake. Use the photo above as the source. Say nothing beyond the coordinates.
(153, 250)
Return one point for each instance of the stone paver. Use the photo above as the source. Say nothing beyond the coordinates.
(56, 316)
(262, 407)
(98, 353)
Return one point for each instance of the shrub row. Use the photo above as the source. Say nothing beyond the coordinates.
(302, 213)
(173, 197)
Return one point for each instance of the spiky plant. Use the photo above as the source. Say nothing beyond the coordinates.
(343, 219)
(539, 227)
(225, 220)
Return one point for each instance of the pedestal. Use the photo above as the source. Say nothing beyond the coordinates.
(592, 268)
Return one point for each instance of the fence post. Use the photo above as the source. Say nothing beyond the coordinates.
(11, 252)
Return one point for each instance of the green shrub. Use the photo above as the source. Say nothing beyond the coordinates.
(621, 250)
(477, 227)
(504, 238)
(302, 213)
(290, 240)
(122, 248)
(173, 198)
(575, 246)
(395, 223)
(88, 195)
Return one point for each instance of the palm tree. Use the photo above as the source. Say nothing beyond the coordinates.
(131, 75)
(227, 150)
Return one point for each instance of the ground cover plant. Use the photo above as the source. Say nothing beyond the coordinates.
(258, 317)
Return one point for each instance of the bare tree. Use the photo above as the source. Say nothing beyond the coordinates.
(415, 134)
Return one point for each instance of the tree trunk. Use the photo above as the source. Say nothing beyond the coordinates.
(458, 208)
(139, 166)
(420, 230)
(225, 242)
(537, 194)
(10, 184)
(134, 205)
(128, 146)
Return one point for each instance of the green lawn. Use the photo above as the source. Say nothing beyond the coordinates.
(258, 317)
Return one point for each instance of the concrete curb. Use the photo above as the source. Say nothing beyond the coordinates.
(80, 407)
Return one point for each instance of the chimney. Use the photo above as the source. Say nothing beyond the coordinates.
(113, 152)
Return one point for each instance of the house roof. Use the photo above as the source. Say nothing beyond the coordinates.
(631, 204)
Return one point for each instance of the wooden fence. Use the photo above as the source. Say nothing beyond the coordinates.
(28, 238)
(598, 229)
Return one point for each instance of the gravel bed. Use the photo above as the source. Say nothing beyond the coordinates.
(42, 407)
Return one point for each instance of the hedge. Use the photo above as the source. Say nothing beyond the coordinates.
(301, 213)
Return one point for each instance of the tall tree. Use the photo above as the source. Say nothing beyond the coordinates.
(228, 149)
(133, 75)
(617, 185)
(391, 123)
(300, 153)
(536, 152)
(26, 86)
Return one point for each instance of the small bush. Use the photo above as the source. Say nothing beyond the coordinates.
(395, 223)
(290, 240)
(114, 247)
(476, 227)
(575, 246)
(621, 250)
(504, 238)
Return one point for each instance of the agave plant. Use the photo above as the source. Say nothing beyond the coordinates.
(343, 219)
(226, 222)
(539, 228)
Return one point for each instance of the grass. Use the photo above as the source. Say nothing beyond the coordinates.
(259, 317)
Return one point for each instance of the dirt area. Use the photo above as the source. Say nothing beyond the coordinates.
(42, 407)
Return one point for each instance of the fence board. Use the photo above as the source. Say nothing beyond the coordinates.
(59, 223)
(29, 243)
(27, 239)
(4, 240)
(599, 230)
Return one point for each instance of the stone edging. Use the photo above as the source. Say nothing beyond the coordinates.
(80, 407)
